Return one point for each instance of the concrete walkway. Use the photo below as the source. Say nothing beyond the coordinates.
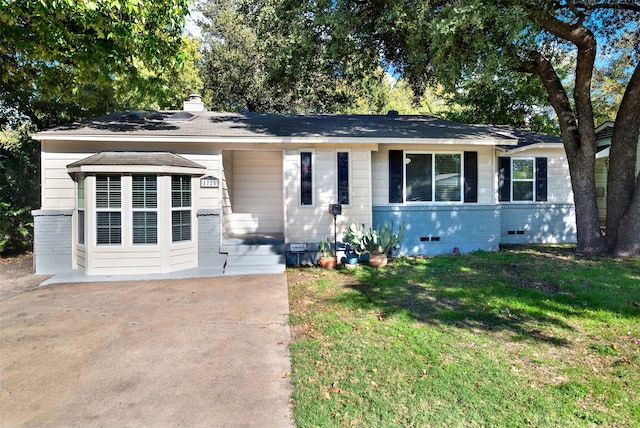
(199, 352)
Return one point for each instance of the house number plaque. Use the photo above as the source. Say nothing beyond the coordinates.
(209, 182)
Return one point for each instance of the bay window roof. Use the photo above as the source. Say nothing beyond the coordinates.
(136, 162)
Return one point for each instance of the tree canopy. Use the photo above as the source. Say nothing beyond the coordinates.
(62, 61)
(59, 59)
(466, 43)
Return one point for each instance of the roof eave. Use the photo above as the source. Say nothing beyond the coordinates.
(536, 146)
(45, 136)
(140, 169)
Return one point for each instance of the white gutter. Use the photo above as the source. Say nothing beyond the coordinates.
(534, 147)
(41, 136)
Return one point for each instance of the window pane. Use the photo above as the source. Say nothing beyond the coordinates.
(343, 177)
(448, 183)
(81, 227)
(418, 174)
(145, 227)
(522, 169)
(180, 191)
(109, 228)
(145, 191)
(306, 186)
(523, 190)
(81, 192)
(181, 226)
(108, 191)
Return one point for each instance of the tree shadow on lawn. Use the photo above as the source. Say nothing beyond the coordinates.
(535, 300)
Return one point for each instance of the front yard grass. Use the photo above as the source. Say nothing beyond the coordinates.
(531, 336)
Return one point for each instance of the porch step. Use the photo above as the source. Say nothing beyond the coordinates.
(254, 259)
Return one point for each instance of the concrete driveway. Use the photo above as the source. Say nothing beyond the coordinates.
(205, 352)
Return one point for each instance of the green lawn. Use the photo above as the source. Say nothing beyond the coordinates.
(527, 337)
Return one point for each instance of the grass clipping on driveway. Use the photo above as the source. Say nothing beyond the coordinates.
(533, 336)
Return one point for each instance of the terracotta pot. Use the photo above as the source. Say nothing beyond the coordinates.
(378, 260)
(328, 262)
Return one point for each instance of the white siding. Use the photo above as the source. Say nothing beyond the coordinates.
(57, 185)
(226, 185)
(558, 177)
(257, 192)
(312, 223)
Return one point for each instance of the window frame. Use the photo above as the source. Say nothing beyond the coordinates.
(81, 205)
(349, 177)
(145, 209)
(312, 174)
(181, 209)
(434, 155)
(531, 180)
(108, 209)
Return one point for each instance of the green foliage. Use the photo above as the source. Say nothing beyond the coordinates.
(67, 61)
(64, 61)
(373, 241)
(326, 248)
(274, 56)
(19, 189)
(355, 237)
(611, 77)
(508, 98)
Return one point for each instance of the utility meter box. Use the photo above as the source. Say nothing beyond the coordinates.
(335, 209)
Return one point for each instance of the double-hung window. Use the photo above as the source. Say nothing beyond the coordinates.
(144, 204)
(522, 179)
(108, 209)
(433, 177)
(180, 208)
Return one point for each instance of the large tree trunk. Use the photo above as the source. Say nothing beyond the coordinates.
(623, 187)
(577, 129)
(580, 146)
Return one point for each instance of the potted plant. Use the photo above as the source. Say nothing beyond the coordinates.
(354, 238)
(351, 257)
(328, 259)
(376, 242)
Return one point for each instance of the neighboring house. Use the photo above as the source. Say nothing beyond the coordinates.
(158, 192)
(603, 141)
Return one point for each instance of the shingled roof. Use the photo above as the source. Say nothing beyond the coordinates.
(212, 126)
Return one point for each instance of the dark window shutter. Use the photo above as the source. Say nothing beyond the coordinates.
(470, 176)
(396, 163)
(541, 179)
(504, 179)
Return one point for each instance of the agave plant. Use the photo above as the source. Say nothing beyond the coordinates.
(355, 236)
(373, 241)
(383, 240)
